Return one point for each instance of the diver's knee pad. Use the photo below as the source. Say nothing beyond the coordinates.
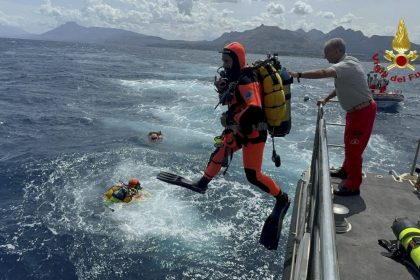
(251, 176)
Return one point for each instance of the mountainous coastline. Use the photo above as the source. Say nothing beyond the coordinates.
(11, 31)
(72, 32)
(263, 39)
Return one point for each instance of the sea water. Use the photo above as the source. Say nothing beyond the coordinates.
(74, 120)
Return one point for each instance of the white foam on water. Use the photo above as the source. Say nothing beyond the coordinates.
(162, 214)
(175, 136)
(190, 87)
(191, 102)
(375, 154)
(224, 223)
(53, 231)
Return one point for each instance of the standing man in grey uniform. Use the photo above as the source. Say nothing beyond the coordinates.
(353, 93)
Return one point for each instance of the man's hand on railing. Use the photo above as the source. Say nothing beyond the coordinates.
(326, 99)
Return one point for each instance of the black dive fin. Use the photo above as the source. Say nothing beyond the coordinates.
(179, 181)
(271, 231)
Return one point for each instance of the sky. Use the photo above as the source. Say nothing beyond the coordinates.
(209, 19)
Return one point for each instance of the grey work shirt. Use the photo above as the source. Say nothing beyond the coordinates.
(351, 83)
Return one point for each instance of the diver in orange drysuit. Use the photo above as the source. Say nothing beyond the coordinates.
(245, 129)
(241, 120)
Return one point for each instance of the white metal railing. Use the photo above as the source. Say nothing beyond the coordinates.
(315, 253)
(324, 217)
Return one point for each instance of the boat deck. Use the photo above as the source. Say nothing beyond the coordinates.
(371, 215)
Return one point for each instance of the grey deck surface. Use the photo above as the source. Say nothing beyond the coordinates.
(371, 216)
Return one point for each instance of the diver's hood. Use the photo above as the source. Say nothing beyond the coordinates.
(237, 52)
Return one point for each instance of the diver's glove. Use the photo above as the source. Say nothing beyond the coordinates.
(250, 119)
(221, 85)
(223, 119)
(226, 119)
(246, 128)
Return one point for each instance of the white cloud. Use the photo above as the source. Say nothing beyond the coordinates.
(389, 30)
(194, 19)
(301, 8)
(275, 8)
(235, 1)
(376, 29)
(303, 24)
(170, 19)
(9, 20)
(327, 15)
(58, 14)
(346, 20)
(185, 6)
(104, 13)
(414, 35)
(227, 1)
(205, 19)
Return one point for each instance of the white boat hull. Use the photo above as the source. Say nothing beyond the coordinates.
(387, 100)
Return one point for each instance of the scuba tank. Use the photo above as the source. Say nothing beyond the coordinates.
(276, 94)
(273, 97)
(283, 116)
(286, 124)
(408, 234)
